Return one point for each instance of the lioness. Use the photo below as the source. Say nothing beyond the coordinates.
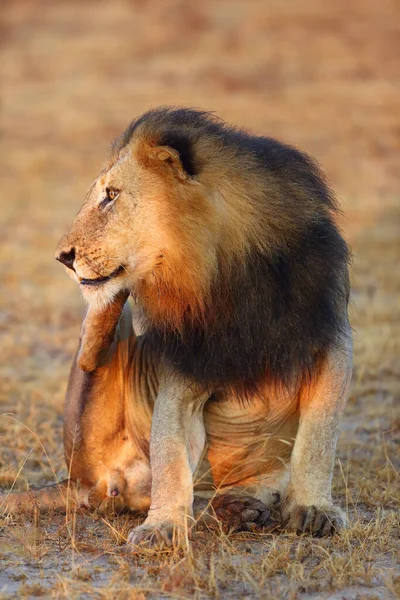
(227, 243)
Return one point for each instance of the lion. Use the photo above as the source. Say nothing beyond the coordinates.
(228, 244)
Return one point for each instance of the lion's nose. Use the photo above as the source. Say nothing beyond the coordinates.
(67, 258)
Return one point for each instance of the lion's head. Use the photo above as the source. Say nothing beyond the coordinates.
(152, 224)
(227, 241)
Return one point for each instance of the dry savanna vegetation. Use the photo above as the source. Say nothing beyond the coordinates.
(321, 75)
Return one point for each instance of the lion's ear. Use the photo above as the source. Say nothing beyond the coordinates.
(169, 156)
(173, 150)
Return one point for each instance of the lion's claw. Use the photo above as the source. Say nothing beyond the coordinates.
(319, 521)
(156, 536)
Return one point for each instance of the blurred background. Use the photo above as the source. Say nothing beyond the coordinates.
(320, 75)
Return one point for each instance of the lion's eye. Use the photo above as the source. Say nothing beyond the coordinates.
(111, 194)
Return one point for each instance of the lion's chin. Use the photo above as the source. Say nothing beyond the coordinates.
(102, 295)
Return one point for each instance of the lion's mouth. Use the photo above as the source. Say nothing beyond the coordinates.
(101, 280)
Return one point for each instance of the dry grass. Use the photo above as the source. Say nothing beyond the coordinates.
(321, 75)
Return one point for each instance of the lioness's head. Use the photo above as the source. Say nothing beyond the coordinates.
(154, 220)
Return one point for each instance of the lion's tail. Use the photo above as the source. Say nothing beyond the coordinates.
(55, 497)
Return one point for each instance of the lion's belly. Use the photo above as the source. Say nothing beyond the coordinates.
(247, 442)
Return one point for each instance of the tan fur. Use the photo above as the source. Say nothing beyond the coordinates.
(136, 431)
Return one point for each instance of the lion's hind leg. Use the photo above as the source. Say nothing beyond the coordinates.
(254, 507)
(97, 340)
(234, 512)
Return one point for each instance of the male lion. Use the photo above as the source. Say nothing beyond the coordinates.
(228, 244)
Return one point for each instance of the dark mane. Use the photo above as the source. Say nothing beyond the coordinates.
(184, 128)
(288, 310)
(278, 312)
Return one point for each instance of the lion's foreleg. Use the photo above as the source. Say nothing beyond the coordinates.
(308, 502)
(177, 442)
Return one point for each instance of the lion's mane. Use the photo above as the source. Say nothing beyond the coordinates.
(272, 312)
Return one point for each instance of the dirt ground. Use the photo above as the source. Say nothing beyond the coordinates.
(320, 75)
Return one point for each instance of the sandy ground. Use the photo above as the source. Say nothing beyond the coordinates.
(321, 75)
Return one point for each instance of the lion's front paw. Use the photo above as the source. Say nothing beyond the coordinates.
(157, 535)
(317, 520)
